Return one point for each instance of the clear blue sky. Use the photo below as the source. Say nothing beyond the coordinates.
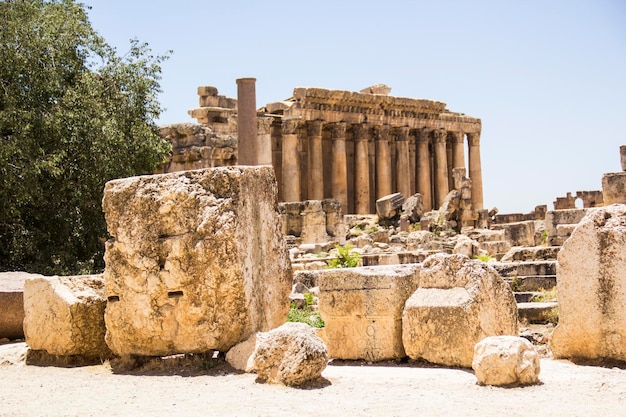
(547, 78)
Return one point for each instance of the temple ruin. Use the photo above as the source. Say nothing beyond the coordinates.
(354, 147)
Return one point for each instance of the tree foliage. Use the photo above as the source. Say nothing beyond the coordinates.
(73, 115)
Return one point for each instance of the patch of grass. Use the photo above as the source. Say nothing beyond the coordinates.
(553, 315)
(304, 315)
(483, 257)
(545, 296)
(346, 258)
(516, 284)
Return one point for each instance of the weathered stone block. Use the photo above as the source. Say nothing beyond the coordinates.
(591, 283)
(197, 261)
(362, 310)
(614, 188)
(459, 302)
(390, 205)
(292, 354)
(65, 315)
(506, 361)
(12, 304)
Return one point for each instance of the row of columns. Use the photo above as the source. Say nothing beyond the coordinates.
(362, 135)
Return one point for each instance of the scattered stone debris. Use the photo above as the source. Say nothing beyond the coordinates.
(506, 361)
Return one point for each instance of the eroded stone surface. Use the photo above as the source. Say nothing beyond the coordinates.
(505, 361)
(591, 285)
(459, 302)
(197, 261)
(362, 310)
(65, 315)
(291, 354)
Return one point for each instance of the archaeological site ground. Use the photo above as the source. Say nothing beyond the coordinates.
(328, 254)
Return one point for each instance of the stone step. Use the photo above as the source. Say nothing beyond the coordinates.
(545, 312)
(525, 296)
(520, 269)
(532, 283)
(532, 253)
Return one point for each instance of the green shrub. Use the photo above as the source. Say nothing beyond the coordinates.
(346, 258)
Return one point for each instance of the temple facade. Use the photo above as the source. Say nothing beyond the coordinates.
(355, 147)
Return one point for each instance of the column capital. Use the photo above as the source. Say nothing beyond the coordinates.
(439, 135)
(401, 133)
(382, 132)
(290, 126)
(423, 135)
(337, 130)
(314, 127)
(264, 125)
(473, 139)
(456, 137)
(362, 131)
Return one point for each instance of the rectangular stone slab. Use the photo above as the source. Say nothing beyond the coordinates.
(197, 261)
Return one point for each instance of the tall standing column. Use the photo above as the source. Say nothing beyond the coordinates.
(248, 152)
(403, 177)
(383, 162)
(316, 167)
(441, 166)
(340, 173)
(458, 154)
(423, 167)
(475, 170)
(362, 168)
(291, 161)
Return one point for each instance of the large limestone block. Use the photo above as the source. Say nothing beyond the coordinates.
(291, 354)
(614, 187)
(362, 310)
(65, 315)
(591, 283)
(197, 261)
(506, 361)
(460, 302)
(12, 304)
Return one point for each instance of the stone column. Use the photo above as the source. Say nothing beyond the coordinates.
(403, 174)
(383, 162)
(248, 153)
(340, 173)
(362, 169)
(291, 160)
(264, 140)
(441, 166)
(423, 167)
(316, 165)
(475, 170)
(458, 153)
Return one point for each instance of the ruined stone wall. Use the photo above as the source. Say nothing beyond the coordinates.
(195, 146)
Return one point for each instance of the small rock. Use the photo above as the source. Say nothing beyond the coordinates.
(506, 361)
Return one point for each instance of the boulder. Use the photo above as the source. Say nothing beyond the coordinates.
(65, 315)
(506, 361)
(197, 261)
(362, 310)
(459, 302)
(240, 356)
(291, 354)
(413, 208)
(591, 286)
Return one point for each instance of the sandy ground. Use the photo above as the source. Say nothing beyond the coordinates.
(347, 389)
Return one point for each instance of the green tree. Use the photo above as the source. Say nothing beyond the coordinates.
(73, 115)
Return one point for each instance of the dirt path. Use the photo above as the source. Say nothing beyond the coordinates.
(350, 390)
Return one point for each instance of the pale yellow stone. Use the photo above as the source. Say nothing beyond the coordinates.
(591, 285)
(460, 302)
(197, 261)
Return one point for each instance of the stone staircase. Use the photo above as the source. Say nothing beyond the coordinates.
(532, 280)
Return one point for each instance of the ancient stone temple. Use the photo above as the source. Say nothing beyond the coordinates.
(356, 147)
